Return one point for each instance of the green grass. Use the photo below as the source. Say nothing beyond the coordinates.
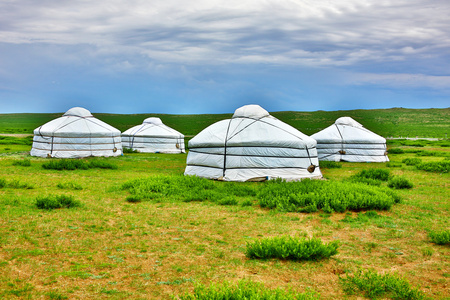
(289, 248)
(396, 122)
(373, 286)
(74, 164)
(440, 237)
(244, 290)
(184, 232)
(329, 196)
(56, 201)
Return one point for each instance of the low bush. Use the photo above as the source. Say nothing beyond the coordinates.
(22, 163)
(56, 201)
(290, 248)
(375, 174)
(440, 237)
(399, 182)
(244, 290)
(373, 285)
(412, 161)
(437, 166)
(17, 184)
(393, 165)
(69, 185)
(129, 150)
(433, 153)
(325, 164)
(188, 188)
(74, 164)
(396, 151)
(312, 195)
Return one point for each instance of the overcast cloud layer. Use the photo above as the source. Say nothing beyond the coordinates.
(211, 56)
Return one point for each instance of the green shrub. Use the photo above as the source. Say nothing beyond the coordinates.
(396, 151)
(65, 164)
(312, 195)
(56, 201)
(2, 183)
(438, 166)
(134, 199)
(101, 164)
(433, 153)
(74, 164)
(244, 290)
(17, 184)
(290, 248)
(69, 185)
(376, 174)
(440, 237)
(399, 182)
(412, 161)
(188, 188)
(325, 164)
(22, 163)
(393, 165)
(228, 201)
(372, 285)
(129, 150)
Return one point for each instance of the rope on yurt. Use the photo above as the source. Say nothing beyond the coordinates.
(342, 151)
(225, 149)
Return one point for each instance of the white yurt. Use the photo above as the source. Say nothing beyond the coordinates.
(153, 137)
(74, 135)
(252, 146)
(347, 140)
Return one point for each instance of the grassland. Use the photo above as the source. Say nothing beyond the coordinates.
(110, 248)
(395, 122)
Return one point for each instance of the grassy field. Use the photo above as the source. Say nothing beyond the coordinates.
(110, 248)
(395, 122)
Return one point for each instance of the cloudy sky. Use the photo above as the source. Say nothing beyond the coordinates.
(212, 56)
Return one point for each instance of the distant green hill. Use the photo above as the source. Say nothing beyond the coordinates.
(395, 122)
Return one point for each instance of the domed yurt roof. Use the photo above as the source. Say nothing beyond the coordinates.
(77, 133)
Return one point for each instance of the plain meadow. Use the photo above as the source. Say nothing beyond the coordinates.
(133, 227)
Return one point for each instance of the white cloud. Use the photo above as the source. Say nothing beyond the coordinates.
(319, 32)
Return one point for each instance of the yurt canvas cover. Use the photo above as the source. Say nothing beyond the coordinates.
(347, 140)
(76, 134)
(154, 137)
(252, 145)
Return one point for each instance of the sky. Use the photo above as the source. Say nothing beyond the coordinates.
(213, 56)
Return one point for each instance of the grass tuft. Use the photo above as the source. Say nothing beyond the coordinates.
(58, 201)
(290, 248)
(69, 185)
(412, 161)
(399, 182)
(74, 164)
(438, 166)
(373, 285)
(22, 163)
(440, 237)
(313, 195)
(325, 164)
(244, 290)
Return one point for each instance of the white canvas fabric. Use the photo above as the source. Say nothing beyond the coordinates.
(74, 135)
(252, 145)
(152, 136)
(347, 140)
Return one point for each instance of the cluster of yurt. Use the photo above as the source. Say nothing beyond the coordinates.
(250, 146)
(79, 134)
